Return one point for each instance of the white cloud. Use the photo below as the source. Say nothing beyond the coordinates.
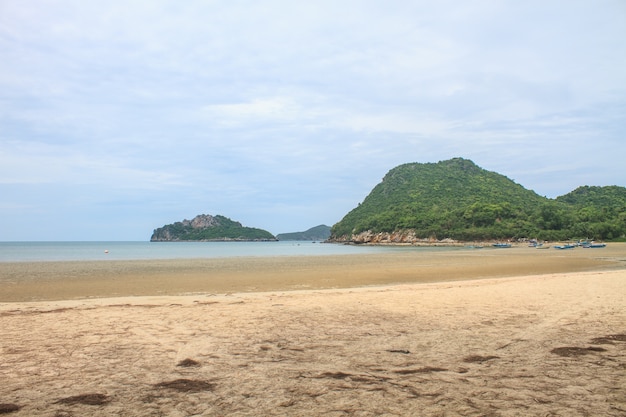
(226, 105)
(260, 110)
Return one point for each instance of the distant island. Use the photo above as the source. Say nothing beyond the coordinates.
(317, 233)
(208, 228)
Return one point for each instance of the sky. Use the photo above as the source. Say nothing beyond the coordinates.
(122, 116)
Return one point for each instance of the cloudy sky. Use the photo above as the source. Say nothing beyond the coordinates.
(117, 117)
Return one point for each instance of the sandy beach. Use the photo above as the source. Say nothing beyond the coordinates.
(511, 332)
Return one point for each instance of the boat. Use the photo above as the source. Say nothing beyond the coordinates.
(595, 245)
(501, 245)
(568, 246)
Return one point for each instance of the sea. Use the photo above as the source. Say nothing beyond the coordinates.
(94, 251)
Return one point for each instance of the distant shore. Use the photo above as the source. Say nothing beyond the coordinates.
(448, 242)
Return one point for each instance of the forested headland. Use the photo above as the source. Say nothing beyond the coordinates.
(457, 199)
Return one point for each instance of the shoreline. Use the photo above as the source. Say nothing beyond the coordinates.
(199, 298)
(59, 280)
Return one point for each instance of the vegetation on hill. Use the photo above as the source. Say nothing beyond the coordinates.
(595, 211)
(321, 232)
(209, 228)
(459, 200)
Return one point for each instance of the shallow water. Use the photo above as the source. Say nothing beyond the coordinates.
(90, 251)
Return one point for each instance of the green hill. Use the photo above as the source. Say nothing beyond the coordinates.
(459, 200)
(611, 196)
(205, 227)
(597, 211)
(321, 232)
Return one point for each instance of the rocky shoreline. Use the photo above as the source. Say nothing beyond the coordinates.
(405, 238)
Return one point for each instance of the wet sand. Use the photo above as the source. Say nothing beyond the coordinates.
(511, 332)
(37, 281)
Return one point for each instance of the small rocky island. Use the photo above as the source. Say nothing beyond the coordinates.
(208, 228)
(321, 233)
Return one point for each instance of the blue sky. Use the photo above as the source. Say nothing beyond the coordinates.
(118, 117)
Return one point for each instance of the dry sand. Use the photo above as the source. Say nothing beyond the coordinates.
(511, 332)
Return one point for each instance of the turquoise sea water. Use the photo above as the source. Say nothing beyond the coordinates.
(88, 251)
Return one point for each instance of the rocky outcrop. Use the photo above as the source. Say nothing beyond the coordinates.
(202, 221)
(163, 234)
(395, 238)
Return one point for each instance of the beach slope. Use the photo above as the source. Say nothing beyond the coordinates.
(503, 343)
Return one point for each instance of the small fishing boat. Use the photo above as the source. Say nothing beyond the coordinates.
(595, 245)
(569, 246)
(501, 245)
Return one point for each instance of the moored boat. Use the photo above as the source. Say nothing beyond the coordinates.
(568, 246)
(594, 245)
(501, 245)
